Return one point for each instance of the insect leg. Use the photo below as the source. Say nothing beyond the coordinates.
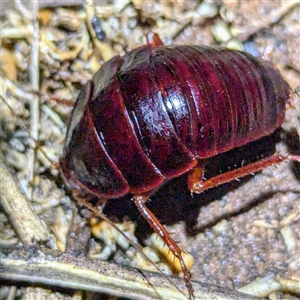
(199, 185)
(140, 202)
(196, 175)
(154, 39)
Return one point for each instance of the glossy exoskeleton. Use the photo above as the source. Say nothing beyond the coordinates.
(159, 111)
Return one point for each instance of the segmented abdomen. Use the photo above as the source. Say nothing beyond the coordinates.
(150, 115)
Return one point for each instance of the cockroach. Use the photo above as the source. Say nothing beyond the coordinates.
(159, 112)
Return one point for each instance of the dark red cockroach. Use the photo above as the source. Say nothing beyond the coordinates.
(159, 111)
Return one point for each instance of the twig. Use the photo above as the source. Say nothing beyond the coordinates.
(16, 33)
(34, 105)
(14, 89)
(273, 18)
(47, 46)
(23, 10)
(67, 271)
(21, 214)
(12, 293)
(297, 106)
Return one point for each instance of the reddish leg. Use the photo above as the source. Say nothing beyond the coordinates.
(154, 39)
(196, 175)
(140, 202)
(197, 184)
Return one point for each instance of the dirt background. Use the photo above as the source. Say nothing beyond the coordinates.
(237, 232)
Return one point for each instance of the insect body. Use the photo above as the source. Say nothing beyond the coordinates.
(159, 112)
